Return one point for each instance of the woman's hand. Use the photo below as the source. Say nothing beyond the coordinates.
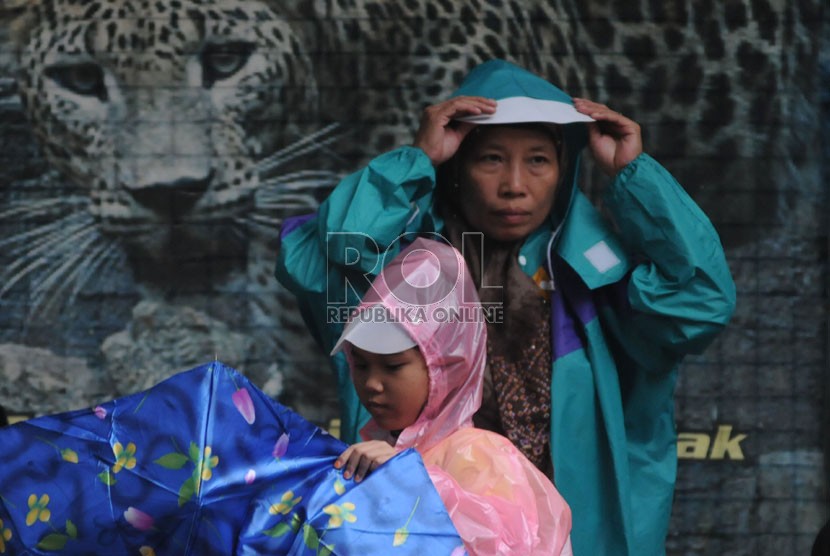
(614, 139)
(364, 457)
(439, 135)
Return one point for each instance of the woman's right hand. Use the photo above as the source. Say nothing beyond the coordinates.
(439, 134)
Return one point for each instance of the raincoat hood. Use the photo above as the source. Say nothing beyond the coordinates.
(427, 290)
(523, 97)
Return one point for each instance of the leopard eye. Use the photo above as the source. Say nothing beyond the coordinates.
(220, 61)
(84, 79)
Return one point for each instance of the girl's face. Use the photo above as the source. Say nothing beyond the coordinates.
(394, 388)
(509, 178)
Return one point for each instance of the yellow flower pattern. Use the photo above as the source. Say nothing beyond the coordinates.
(124, 457)
(286, 504)
(70, 455)
(340, 513)
(402, 533)
(208, 463)
(38, 509)
(5, 535)
(400, 536)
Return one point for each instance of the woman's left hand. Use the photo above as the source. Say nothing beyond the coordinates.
(614, 139)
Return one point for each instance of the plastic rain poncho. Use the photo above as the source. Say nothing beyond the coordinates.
(499, 502)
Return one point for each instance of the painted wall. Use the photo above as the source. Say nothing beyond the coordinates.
(149, 152)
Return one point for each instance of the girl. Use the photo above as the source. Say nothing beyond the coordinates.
(417, 350)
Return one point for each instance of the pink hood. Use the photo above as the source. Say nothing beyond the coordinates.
(428, 290)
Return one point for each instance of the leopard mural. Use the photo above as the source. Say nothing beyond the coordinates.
(165, 141)
(181, 132)
(172, 130)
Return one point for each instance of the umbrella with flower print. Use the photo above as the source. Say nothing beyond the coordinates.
(203, 464)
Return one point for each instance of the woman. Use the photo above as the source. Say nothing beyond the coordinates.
(597, 310)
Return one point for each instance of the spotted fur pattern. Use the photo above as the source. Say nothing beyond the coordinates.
(190, 128)
(179, 125)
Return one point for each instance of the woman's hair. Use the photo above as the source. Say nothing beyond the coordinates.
(449, 174)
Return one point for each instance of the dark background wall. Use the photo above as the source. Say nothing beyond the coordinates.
(271, 104)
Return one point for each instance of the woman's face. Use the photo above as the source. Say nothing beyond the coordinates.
(394, 388)
(508, 181)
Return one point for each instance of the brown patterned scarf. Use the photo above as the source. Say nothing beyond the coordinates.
(516, 401)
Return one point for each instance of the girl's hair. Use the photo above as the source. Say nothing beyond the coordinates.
(449, 174)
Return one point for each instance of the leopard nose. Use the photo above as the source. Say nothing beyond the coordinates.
(173, 199)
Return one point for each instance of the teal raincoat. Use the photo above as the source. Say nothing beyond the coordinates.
(629, 301)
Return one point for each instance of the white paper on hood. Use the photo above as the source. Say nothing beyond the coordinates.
(515, 110)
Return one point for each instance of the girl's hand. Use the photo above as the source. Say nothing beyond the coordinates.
(439, 135)
(614, 139)
(364, 457)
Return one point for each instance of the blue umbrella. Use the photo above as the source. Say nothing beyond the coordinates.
(204, 463)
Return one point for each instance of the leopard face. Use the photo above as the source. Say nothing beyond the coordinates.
(161, 111)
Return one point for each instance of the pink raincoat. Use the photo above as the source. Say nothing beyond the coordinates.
(499, 502)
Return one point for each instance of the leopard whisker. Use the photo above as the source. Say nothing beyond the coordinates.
(277, 201)
(307, 179)
(264, 220)
(307, 150)
(300, 193)
(307, 144)
(66, 272)
(239, 228)
(304, 140)
(29, 209)
(104, 260)
(31, 260)
(298, 206)
(35, 242)
(79, 251)
(21, 244)
(108, 254)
